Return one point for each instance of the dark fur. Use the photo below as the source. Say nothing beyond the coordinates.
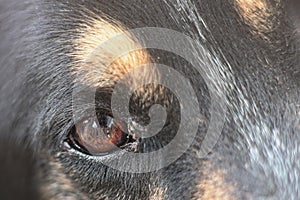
(262, 72)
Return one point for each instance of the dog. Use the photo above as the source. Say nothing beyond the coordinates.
(57, 144)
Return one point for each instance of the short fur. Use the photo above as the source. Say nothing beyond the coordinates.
(41, 54)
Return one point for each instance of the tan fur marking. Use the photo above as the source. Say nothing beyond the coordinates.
(93, 68)
(256, 13)
(157, 193)
(214, 186)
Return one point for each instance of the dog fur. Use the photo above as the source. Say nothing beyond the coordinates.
(42, 52)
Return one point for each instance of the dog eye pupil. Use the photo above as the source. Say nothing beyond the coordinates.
(98, 137)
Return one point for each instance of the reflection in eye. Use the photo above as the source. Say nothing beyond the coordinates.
(98, 137)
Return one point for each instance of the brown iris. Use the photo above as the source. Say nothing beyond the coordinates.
(98, 136)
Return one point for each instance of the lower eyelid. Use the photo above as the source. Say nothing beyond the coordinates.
(100, 159)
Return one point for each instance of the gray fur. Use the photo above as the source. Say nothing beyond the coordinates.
(259, 146)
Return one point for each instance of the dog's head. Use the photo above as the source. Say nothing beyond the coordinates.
(151, 100)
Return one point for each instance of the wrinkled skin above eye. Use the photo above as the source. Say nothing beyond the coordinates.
(98, 137)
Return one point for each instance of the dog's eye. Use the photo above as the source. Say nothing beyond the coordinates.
(98, 137)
